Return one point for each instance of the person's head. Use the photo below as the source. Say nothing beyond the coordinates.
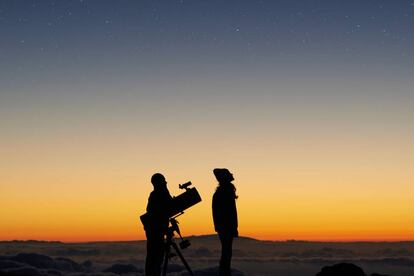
(223, 175)
(158, 181)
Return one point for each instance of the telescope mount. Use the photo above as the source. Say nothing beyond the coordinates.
(171, 243)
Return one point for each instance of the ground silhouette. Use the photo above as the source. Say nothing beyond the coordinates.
(250, 256)
(342, 269)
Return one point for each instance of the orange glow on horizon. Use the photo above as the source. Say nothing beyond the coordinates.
(89, 190)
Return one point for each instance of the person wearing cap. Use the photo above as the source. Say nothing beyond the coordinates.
(225, 217)
(158, 209)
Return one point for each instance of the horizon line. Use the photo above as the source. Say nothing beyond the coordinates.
(207, 235)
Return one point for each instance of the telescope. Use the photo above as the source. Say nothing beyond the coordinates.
(179, 203)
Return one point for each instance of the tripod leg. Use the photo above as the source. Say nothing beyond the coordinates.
(182, 258)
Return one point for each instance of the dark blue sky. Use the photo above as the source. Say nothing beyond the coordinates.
(67, 56)
(121, 50)
(47, 39)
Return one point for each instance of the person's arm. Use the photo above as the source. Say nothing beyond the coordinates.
(214, 209)
(234, 217)
(218, 213)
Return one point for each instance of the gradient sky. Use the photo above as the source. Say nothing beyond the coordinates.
(309, 103)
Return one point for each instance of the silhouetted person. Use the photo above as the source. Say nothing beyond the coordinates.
(225, 216)
(158, 209)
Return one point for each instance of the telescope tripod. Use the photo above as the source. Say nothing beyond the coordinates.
(171, 243)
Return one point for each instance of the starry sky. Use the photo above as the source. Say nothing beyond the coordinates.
(309, 103)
